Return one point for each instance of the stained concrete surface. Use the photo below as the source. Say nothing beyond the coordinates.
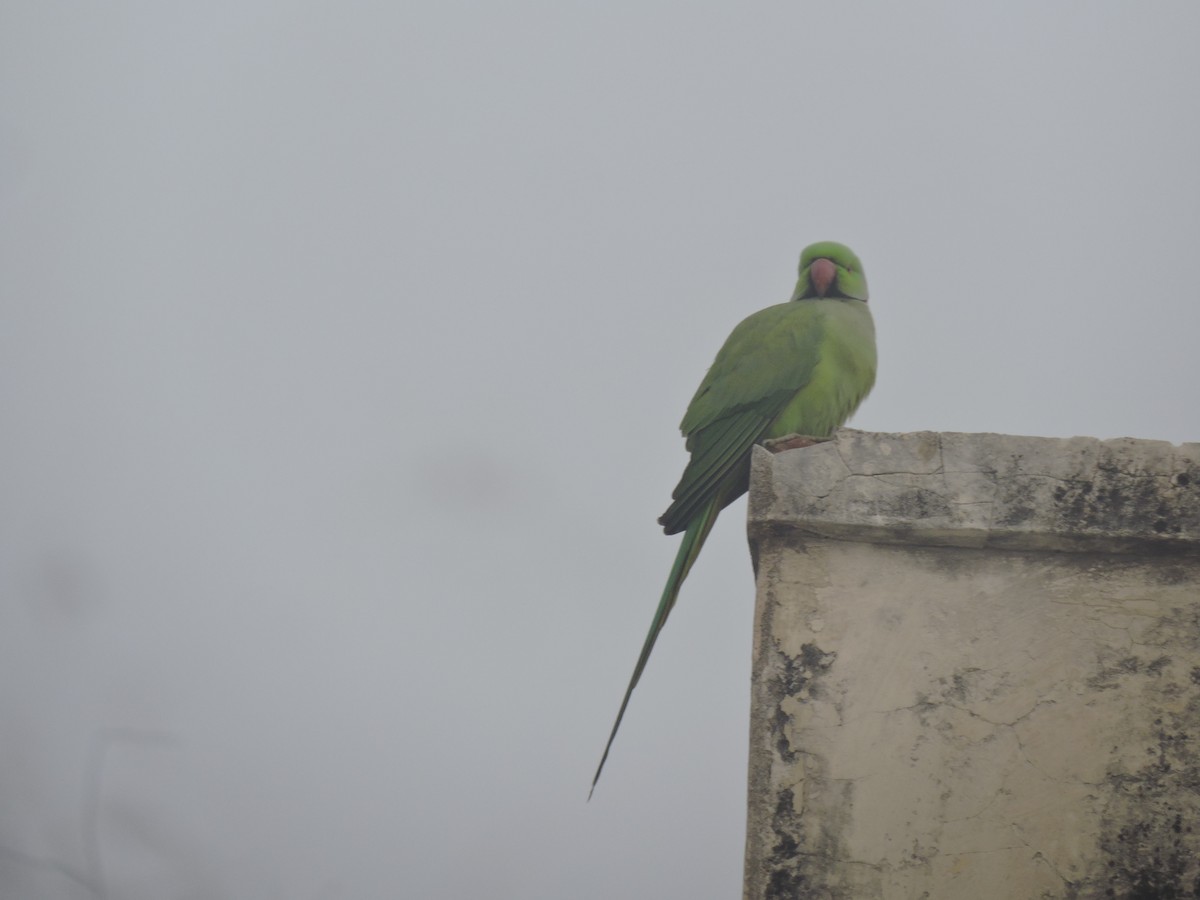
(977, 669)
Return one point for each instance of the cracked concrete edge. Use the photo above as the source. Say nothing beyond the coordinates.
(984, 490)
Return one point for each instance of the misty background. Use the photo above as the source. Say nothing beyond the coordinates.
(342, 352)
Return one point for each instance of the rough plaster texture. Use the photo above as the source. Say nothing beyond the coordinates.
(977, 669)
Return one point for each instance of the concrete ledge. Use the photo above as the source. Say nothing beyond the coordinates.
(976, 670)
(977, 490)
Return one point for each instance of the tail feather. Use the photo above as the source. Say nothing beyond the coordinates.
(693, 539)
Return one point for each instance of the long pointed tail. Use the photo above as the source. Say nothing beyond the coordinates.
(689, 549)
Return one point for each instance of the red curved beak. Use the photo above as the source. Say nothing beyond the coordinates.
(822, 274)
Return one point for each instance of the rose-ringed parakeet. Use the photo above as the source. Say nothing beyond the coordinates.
(787, 376)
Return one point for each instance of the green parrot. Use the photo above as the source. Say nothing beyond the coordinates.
(786, 377)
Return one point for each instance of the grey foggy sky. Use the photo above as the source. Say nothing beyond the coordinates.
(342, 349)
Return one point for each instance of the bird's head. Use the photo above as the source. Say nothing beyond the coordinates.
(829, 269)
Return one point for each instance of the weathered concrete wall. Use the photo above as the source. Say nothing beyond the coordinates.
(977, 669)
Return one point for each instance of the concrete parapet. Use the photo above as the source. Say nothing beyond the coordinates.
(976, 669)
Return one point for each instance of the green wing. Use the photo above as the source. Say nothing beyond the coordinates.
(767, 359)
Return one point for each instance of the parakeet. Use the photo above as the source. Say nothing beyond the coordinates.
(787, 376)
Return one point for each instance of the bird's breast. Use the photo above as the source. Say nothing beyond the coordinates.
(842, 376)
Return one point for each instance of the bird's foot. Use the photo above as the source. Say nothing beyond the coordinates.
(793, 442)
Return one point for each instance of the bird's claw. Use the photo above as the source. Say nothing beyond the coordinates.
(793, 442)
